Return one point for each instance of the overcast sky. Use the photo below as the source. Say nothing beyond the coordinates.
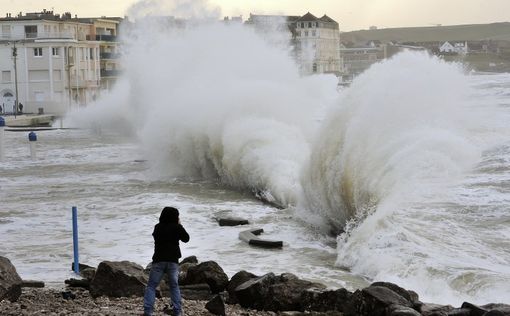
(351, 14)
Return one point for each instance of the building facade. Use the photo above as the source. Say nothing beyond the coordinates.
(318, 41)
(358, 59)
(49, 61)
(315, 41)
(105, 31)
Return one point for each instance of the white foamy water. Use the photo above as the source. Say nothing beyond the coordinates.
(412, 160)
(118, 205)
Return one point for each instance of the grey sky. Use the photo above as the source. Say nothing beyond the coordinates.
(351, 14)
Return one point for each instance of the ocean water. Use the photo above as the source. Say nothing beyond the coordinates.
(401, 177)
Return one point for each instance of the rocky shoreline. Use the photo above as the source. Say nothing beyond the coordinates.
(116, 288)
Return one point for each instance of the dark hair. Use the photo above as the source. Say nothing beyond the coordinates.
(169, 215)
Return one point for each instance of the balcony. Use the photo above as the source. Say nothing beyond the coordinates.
(77, 82)
(37, 35)
(110, 73)
(106, 55)
(82, 83)
(106, 38)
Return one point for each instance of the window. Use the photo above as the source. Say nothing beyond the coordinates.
(309, 24)
(30, 31)
(91, 53)
(317, 24)
(313, 33)
(38, 51)
(55, 51)
(6, 31)
(314, 67)
(6, 76)
(306, 33)
(302, 25)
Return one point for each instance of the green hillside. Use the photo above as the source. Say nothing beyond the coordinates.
(471, 32)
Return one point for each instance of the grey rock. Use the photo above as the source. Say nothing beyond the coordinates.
(497, 309)
(183, 271)
(10, 281)
(236, 280)
(319, 300)
(435, 309)
(274, 293)
(408, 295)
(459, 312)
(496, 313)
(396, 310)
(81, 266)
(190, 259)
(118, 279)
(474, 310)
(216, 305)
(197, 292)
(252, 293)
(84, 283)
(207, 272)
(32, 283)
(374, 301)
(232, 221)
(88, 273)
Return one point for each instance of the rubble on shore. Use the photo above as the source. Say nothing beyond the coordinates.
(116, 288)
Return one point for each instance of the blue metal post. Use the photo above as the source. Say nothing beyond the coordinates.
(75, 240)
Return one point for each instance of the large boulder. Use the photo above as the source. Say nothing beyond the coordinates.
(236, 280)
(183, 271)
(207, 272)
(10, 281)
(375, 301)
(274, 293)
(411, 296)
(195, 292)
(497, 309)
(252, 293)
(397, 310)
(216, 306)
(118, 279)
(190, 259)
(321, 301)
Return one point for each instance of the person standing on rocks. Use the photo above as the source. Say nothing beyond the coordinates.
(167, 234)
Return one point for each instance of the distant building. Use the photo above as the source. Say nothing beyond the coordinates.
(319, 44)
(57, 61)
(105, 31)
(233, 20)
(315, 40)
(460, 48)
(358, 59)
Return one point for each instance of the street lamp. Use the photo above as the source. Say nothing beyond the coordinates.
(15, 57)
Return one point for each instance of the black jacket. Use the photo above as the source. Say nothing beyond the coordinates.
(166, 241)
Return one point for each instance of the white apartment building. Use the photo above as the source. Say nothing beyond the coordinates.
(47, 61)
(316, 41)
(318, 44)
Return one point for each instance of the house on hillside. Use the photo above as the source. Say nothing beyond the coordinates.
(460, 48)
